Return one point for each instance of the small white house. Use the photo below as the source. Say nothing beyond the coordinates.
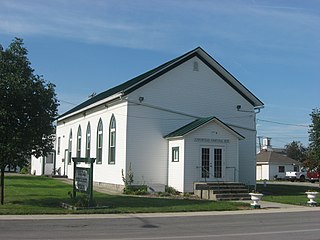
(43, 165)
(274, 163)
(185, 121)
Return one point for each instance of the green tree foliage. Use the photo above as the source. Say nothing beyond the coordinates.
(314, 139)
(297, 151)
(28, 107)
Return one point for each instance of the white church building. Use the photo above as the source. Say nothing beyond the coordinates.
(188, 120)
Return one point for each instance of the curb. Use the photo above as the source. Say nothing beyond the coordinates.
(262, 210)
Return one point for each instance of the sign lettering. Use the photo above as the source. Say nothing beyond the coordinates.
(211, 140)
(82, 179)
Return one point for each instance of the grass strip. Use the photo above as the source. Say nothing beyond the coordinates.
(288, 194)
(26, 194)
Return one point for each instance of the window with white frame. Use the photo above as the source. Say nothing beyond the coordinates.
(99, 142)
(175, 154)
(59, 145)
(112, 140)
(70, 147)
(88, 140)
(79, 142)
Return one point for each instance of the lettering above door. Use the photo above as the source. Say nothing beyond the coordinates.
(211, 140)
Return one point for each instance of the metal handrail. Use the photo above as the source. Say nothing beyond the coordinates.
(210, 174)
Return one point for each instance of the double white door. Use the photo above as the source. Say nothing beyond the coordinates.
(212, 163)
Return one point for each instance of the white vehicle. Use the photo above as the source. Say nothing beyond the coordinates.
(297, 176)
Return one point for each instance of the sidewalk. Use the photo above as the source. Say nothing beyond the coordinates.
(283, 207)
(266, 208)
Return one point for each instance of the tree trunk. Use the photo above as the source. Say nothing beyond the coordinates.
(2, 184)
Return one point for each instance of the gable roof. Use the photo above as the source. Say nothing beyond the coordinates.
(196, 124)
(271, 157)
(139, 81)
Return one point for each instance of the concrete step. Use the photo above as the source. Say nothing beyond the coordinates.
(233, 198)
(222, 191)
(229, 196)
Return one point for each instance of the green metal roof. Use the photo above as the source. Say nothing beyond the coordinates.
(195, 125)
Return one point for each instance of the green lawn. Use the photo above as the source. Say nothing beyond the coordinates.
(41, 195)
(289, 194)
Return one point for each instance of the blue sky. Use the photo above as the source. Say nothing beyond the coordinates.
(270, 46)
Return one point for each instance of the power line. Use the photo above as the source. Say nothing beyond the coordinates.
(229, 117)
(67, 102)
(281, 123)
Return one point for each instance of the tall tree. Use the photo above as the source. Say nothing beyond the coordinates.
(297, 151)
(28, 107)
(314, 138)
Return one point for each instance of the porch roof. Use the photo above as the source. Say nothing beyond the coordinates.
(197, 124)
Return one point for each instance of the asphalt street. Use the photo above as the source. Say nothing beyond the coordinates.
(263, 225)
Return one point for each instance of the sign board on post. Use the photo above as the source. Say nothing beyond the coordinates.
(83, 177)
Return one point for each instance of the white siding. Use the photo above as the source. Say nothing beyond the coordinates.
(193, 157)
(40, 166)
(202, 93)
(169, 102)
(247, 157)
(176, 170)
(269, 171)
(108, 173)
(263, 171)
(147, 150)
(259, 172)
(36, 165)
(197, 93)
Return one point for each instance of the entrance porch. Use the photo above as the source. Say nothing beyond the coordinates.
(220, 191)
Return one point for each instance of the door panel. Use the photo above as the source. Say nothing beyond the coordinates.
(205, 163)
(217, 163)
(212, 163)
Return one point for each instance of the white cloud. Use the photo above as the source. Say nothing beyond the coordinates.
(152, 24)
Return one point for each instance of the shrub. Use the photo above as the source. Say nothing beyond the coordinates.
(83, 200)
(25, 170)
(171, 190)
(127, 178)
(136, 189)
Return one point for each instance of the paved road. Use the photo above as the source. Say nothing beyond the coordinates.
(300, 225)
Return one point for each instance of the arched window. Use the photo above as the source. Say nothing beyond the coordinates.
(70, 147)
(99, 141)
(79, 142)
(112, 141)
(88, 140)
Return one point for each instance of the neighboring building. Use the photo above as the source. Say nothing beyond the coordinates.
(43, 165)
(273, 163)
(17, 169)
(10, 168)
(185, 121)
